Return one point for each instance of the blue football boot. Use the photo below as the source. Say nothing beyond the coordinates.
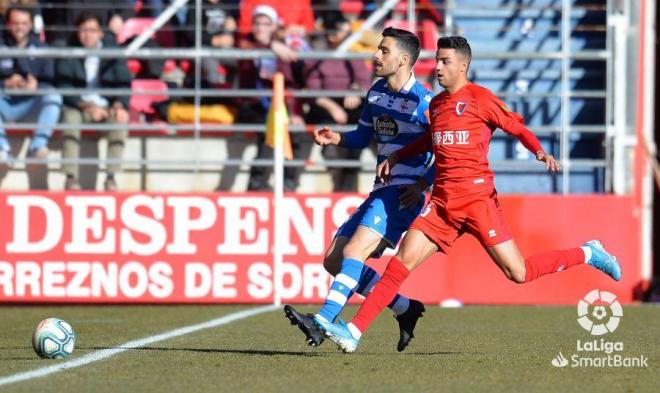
(339, 333)
(603, 260)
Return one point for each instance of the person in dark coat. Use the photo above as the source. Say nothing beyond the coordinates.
(26, 73)
(93, 73)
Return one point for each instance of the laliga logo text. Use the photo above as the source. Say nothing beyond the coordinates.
(599, 313)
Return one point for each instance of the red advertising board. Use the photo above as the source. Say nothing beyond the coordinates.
(217, 248)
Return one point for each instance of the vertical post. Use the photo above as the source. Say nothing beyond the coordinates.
(609, 98)
(619, 21)
(198, 77)
(412, 19)
(448, 28)
(277, 104)
(643, 166)
(565, 93)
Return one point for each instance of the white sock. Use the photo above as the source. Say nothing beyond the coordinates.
(354, 331)
(321, 317)
(587, 253)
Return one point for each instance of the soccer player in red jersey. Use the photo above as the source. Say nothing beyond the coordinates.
(463, 119)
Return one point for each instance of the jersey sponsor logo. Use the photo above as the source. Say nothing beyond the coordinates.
(460, 107)
(404, 104)
(386, 128)
(437, 138)
(451, 138)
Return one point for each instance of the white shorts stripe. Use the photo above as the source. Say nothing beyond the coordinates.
(346, 280)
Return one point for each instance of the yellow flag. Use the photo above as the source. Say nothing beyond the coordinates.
(277, 122)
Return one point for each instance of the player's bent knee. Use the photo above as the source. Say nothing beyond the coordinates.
(517, 275)
(355, 251)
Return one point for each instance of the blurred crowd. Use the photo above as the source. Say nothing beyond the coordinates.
(285, 28)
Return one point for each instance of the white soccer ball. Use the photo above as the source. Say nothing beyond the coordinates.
(54, 339)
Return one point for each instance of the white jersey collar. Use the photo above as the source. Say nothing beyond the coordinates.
(411, 82)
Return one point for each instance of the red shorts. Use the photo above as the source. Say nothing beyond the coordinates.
(448, 215)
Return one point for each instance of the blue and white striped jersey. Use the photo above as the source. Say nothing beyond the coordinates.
(395, 119)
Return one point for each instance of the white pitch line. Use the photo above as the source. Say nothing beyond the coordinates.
(106, 353)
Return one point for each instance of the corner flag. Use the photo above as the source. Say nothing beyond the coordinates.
(277, 122)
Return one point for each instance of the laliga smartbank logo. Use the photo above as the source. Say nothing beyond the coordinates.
(599, 313)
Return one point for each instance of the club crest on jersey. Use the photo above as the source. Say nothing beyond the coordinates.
(460, 107)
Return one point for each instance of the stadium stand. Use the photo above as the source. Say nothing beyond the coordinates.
(518, 55)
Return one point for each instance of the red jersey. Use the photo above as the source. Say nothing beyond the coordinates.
(462, 125)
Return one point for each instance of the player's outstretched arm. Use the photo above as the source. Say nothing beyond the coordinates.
(325, 136)
(549, 160)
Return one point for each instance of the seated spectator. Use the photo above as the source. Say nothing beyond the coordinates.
(218, 29)
(297, 15)
(258, 74)
(33, 5)
(337, 75)
(61, 21)
(92, 73)
(26, 73)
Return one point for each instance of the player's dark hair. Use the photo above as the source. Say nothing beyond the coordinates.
(86, 16)
(458, 43)
(406, 41)
(19, 8)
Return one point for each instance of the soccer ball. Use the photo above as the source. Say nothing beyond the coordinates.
(53, 338)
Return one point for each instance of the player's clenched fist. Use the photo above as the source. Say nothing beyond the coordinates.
(325, 136)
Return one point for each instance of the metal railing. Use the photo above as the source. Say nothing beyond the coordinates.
(199, 52)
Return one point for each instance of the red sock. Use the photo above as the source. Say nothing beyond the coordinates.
(552, 262)
(382, 294)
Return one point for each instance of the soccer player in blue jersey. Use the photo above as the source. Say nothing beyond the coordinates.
(395, 114)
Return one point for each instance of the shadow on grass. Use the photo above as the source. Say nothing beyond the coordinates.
(264, 352)
(217, 350)
(20, 358)
(2, 358)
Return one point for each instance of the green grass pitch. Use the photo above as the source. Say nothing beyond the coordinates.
(490, 349)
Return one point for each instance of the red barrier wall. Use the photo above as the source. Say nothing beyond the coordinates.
(216, 248)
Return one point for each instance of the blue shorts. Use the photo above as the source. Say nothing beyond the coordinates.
(381, 214)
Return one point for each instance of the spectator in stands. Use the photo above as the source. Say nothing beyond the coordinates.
(26, 74)
(61, 20)
(92, 73)
(218, 31)
(297, 15)
(258, 74)
(337, 75)
(37, 19)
